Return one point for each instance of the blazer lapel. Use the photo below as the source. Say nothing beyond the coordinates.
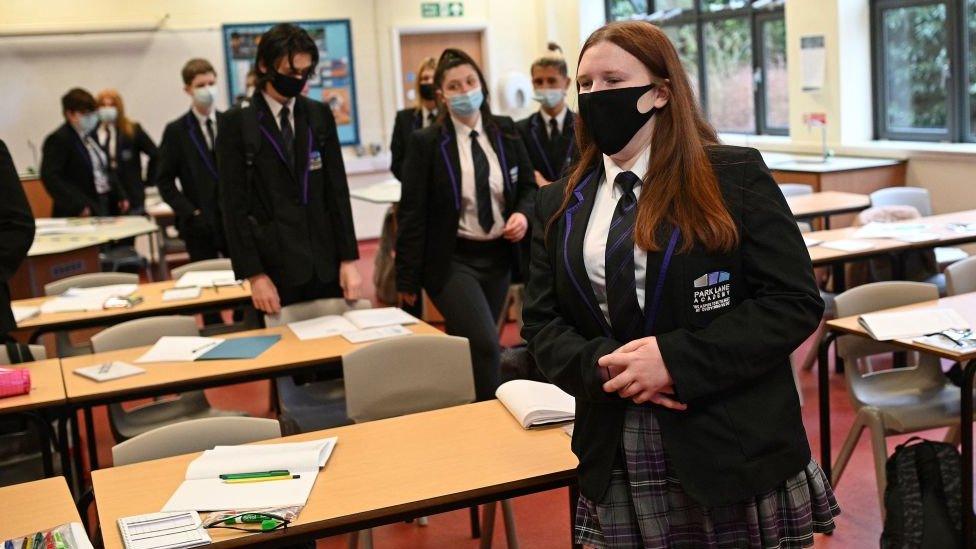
(80, 146)
(577, 217)
(269, 130)
(539, 142)
(302, 142)
(499, 145)
(199, 143)
(452, 163)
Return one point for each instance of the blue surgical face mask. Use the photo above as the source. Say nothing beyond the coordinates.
(549, 97)
(205, 96)
(108, 114)
(88, 122)
(466, 104)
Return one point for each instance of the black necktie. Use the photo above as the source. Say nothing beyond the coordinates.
(482, 190)
(553, 130)
(210, 135)
(626, 318)
(430, 118)
(287, 134)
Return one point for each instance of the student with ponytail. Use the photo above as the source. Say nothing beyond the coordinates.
(669, 285)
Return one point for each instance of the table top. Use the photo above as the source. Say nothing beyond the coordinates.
(152, 304)
(384, 192)
(289, 352)
(964, 304)
(108, 229)
(34, 506)
(47, 387)
(827, 203)
(937, 224)
(378, 469)
(814, 163)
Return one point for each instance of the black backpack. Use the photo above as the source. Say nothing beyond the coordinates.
(923, 499)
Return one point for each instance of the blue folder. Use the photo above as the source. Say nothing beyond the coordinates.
(241, 347)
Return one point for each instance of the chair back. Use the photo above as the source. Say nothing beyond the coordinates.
(795, 189)
(961, 277)
(314, 309)
(37, 351)
(916, 197)
(220, 264)
(194, 435)
(89, 280)
(143, 331)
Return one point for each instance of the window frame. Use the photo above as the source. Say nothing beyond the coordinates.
(959, 127)
(756, 17)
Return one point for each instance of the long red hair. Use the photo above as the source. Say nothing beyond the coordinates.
(680, 187)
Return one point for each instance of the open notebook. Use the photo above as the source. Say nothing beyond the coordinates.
(534, 403)
(350, 321)
(912, 323)
(203, 490)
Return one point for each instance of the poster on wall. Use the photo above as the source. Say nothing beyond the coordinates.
(332, 83)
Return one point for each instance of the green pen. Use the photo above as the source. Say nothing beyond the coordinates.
(266, 522)
(257, 474)
(59, 541)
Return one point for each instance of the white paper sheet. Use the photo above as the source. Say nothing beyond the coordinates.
(178, 349)
(375, 318)
(374, 334)
(180, 294)
(848, 245)
(891, 230)
(913, 323)
(207, 279)
(23, 313)
(533, 403)
(323, 326)
(109, 371)
(87, 299)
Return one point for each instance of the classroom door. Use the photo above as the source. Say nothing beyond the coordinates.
(415, 47)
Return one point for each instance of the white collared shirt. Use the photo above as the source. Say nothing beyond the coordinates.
(99, 162)
(276, 110)
(468, 226)
(202, 121)
(424, 113)
(107, 134)
(560, 120)
(598, 228)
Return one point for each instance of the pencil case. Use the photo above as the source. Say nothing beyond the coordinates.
(14, 382)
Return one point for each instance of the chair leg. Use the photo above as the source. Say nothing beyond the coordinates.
(847, 449)
(423, 521)
(488, 525)
(880, 450)
(953, 436)
(354, 540)
(508, 515)
(475, 522)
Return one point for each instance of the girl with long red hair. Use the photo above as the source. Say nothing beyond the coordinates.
(668, 286)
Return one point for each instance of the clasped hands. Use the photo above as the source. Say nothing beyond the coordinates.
(637, 372)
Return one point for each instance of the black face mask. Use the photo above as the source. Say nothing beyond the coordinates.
(612, 117)
(427, 92)
(287, 85)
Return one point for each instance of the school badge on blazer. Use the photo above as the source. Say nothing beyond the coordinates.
(712, 291)
(314, 161)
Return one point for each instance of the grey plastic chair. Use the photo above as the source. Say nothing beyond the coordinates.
(138, 420)
(921, 200)
(62, 339)
(220, 264)
(896, 401)
(37, 351)
(194, 435)
(407, 375)
(795, 189)
(961, 277)
(319, 404)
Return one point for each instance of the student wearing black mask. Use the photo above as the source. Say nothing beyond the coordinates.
(283, 188)
(16, 234)
(74, 169)
(669, 285)
(417, 117)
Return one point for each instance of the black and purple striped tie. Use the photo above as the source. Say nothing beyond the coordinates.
(626, 318)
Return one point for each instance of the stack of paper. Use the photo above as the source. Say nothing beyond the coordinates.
(912, 323)
(350, 322)
(87, 299)
(23, 313)
(109, 371)
(170, 530)
(207, 279)
(203, 490)
(908, 232)
(534, 403)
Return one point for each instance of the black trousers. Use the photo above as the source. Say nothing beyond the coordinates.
(471, 301)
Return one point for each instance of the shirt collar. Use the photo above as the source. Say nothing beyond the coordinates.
(275, 106)
(560, 116)
(201, 119)
(463, 130)
(639, 168)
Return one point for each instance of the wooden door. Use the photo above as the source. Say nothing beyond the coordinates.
(415, 47)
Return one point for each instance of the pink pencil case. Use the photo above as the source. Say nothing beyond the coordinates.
(14, 382)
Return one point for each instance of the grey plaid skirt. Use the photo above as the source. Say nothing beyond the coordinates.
(645, 505)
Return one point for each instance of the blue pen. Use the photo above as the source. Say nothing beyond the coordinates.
(9, 544)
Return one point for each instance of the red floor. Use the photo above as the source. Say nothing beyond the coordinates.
(543, 519)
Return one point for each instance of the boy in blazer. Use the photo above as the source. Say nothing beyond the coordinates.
(283, 188)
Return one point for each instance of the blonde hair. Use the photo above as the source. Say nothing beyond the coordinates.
(429, 63)
(125, 126)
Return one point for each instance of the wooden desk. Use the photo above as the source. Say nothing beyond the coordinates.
(56, 256)
(286, 357)
(827, 203)
(211, 299)
(965, 305)
(34, 506)
(47, 387)
(381, 472)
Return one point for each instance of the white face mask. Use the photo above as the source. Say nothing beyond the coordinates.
(205, 96)
(549, 97)
(108, 114)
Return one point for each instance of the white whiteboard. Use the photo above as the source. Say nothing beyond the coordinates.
(143, 66)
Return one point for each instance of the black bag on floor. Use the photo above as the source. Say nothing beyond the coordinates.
(923, 499)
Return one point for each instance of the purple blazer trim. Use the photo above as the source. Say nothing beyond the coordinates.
(578, 193)
(650, 315)
(450, 171)
(207, 160)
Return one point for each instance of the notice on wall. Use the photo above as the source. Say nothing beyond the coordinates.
(813, 61)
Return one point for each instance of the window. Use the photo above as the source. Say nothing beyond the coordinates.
(924, 63)
(734, 52)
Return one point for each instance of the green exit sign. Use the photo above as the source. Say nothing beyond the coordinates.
(442, 9)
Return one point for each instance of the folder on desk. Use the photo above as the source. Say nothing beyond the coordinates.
(191, 348)
(240, 348)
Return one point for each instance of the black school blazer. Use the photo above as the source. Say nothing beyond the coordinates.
(16, 233)
(66, 172)
(726, 328)
(429, 209)
(183, 155)
(551, 162)
(128, 160)
(406, 121)
(296, 220)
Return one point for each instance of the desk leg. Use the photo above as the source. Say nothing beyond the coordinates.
(839, 277)
(90, 441)
(67, 467)
(826, 222)
(823, 393)
(77, 452)
(966, 428)
(573, 502)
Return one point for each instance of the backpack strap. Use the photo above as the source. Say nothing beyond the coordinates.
(316, 121)
(256, 205)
